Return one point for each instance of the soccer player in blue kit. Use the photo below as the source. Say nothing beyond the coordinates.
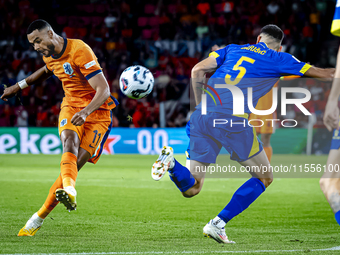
(330, 181)
(258, 66)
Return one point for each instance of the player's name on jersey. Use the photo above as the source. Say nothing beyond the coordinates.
(254, 49)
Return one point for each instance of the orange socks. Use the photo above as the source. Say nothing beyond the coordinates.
(50, 201)
(68, 169)
(68, 176)
(269, 152)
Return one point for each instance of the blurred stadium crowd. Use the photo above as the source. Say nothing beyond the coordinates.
(167, 36)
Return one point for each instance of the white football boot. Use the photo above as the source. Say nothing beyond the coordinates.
(216, 233)
(164, 162)
(32, 226)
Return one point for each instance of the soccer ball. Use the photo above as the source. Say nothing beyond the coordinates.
(136, 82)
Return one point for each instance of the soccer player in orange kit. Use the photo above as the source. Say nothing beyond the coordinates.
(265, 128)
(85, 117)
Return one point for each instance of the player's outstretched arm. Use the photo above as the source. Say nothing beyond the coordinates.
(99, 84)
(36, 77)
(198, 73)
(315, 72)
(331, 115)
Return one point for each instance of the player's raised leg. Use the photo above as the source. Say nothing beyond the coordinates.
(189, 180)
(330, 183)
(186, 179)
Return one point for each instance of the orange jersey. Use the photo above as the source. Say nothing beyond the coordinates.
(74, 66)
(266, 101)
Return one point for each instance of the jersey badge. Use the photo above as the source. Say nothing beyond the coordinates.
(63, 122)
(68, 69)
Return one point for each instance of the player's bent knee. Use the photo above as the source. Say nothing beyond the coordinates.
(267, 181)
(69, 142)
(191, 193)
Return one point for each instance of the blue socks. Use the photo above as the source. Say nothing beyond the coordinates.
(182, 177)
(242, 198)
(337, 217)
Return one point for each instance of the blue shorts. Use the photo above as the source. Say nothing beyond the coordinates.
(335, 145)
(206, 140)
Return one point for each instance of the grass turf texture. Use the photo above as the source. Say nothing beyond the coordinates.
(121, 209)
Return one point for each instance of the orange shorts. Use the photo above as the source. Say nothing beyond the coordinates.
(267, 124)
(92, 134)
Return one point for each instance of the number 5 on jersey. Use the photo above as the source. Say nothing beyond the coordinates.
(242, 71)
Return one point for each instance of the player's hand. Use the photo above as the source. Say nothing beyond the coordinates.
(10, 91)
(331, 116)
(79, 118)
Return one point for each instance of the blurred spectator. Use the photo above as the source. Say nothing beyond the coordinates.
(22, 117)
(5, 115)
(17, 60)
(54, 114)
(110, 20)
(227, 7)
(24, 72)
(180, 120)
(42, 117)
(151, 62)
(202, 30)
(32, 112)
(138, 118)
(273, 7)
(168, 37)
(203, 7)
(316, 91)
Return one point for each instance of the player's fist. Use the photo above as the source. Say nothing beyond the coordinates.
(79, 118)
(331, 116)
(9, 91)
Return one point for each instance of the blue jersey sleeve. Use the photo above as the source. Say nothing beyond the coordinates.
(288, 64)
(335, 29)
(219, 55)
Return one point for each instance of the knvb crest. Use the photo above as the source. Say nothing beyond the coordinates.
(68, 69)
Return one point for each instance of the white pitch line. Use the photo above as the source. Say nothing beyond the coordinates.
(336, 248)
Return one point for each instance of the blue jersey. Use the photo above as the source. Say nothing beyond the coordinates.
(244, 66)
(335, 29)
(335, 145)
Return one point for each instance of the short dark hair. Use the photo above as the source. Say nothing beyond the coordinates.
(273, 31)
(37, 24)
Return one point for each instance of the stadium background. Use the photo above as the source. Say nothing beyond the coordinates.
(169, 38)
(121, 210)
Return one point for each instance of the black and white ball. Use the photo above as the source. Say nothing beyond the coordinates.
(136, 82)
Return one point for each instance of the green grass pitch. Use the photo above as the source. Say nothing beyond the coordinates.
(121, 210)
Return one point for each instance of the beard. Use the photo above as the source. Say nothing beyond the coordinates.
(51, 50)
